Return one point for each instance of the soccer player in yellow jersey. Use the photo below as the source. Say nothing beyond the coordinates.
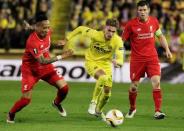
(98, 60)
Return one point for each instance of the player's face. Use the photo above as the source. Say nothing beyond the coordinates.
(109, 32)
(143, 12)
(43, 28)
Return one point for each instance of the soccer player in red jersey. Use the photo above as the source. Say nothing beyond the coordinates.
(141, 32)
(36, 65)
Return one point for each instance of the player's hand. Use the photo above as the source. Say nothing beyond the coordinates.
(67, 53)
(26, 25)
(116, 65)
(168, 54)
(61, 42)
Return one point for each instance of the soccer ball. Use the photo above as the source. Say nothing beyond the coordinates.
(114, 117)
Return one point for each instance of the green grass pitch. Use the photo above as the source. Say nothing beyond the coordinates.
(41, 116)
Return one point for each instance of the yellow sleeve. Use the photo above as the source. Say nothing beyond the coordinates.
(119, 52)
(83, 30)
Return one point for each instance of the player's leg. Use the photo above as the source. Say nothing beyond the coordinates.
(153, 72)
(103, 98)
(137, 70)
(95, 97)
(105, 81)
(92, 68)
(61, 95)
(58, 81)
(132, 99)
(27, 84)
(97, 91)
(19, 105)
(157, 97)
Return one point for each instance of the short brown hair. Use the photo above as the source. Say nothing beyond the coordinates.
(143, 3)
(112, 22)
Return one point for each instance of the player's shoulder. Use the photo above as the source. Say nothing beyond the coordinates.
(152, 18)
(31, 39)
(31, 36)
(132, 21)
(92, 31)
(116, 37)
(87, 29)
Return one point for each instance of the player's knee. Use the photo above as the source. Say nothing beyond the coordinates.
(155, 81)
(107, 90)
(27, 94)
(156, 84)
(133, 88)
(60, 83)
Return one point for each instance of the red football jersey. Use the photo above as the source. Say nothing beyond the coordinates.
(142, 38)
(34, 48)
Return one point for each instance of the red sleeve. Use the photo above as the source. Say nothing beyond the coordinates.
(126, 32)
(156, 24)
(33, 48)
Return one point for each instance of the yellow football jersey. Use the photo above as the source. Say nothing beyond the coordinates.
(100, 49)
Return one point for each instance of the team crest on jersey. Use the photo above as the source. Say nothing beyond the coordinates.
(35, 51)
(151, 28)
(138, 29)
(41, 46)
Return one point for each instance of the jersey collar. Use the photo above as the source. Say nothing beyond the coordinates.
(143, 22)
(37, 36)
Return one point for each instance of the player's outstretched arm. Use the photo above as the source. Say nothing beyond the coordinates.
(67, 53)
(44, 60)
(59, 44)
(83, 30)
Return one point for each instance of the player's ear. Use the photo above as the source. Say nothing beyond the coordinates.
(148, 10)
